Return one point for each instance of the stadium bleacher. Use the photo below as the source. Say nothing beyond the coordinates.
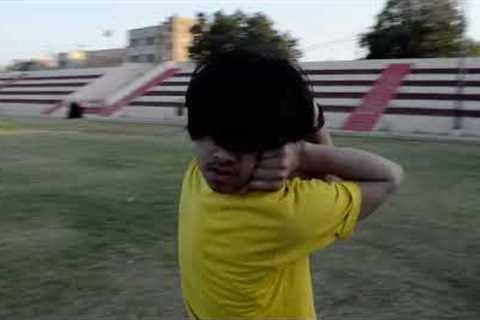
(29, 93)
(434, 96)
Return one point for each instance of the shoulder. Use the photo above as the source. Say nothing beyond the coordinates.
(319, 189)
(192, 173)
(318, 200)
(192, 180)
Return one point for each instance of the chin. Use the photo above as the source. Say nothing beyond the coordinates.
(222, 188)
(224, 183)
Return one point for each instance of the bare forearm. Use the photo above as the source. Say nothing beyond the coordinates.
(348, 164)
(321, 136)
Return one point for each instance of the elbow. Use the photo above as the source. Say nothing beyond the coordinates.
(396, 178)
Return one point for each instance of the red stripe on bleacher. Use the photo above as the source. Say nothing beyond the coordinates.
(366, 116)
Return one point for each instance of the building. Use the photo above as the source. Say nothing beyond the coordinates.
(33, 64)
(168, 41)
(181, 38)
(92, 58)
(143, 44)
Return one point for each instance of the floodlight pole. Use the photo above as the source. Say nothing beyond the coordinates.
(457, 119)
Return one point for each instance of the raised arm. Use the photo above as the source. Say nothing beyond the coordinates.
(376, 176)
(321, 136)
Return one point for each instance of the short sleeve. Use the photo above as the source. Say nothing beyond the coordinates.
(321, 213)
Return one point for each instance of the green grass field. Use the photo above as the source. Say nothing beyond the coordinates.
(88, 228)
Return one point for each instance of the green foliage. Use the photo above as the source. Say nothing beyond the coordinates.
(416, 29)
(472, 48)
(239, 31)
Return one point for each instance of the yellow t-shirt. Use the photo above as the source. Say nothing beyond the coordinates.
(247, 256)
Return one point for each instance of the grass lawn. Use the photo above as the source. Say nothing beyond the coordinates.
(88, 228)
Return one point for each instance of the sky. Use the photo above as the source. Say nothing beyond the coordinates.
(326, 29)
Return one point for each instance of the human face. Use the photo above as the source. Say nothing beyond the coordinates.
(224, 171)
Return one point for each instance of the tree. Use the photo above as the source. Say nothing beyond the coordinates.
(416, 29)
(472, 48)
(239, 31)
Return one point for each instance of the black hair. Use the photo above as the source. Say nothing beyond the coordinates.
(249, 102)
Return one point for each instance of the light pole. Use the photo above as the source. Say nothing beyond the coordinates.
(457, 119)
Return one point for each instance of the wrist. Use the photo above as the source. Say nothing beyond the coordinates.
(302, 156)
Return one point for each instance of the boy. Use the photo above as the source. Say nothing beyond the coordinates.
(247, 222)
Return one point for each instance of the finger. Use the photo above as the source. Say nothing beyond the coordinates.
(244, 190)
(271, 163)
(262, 185)
(275, 153)
(332, 178)
(269, 174)
(275, 164)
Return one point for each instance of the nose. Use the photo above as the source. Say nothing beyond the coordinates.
(223, 156)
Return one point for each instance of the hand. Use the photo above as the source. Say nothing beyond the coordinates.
(275, 166)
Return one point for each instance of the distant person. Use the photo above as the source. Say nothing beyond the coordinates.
(75, 111)
(247, 222)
